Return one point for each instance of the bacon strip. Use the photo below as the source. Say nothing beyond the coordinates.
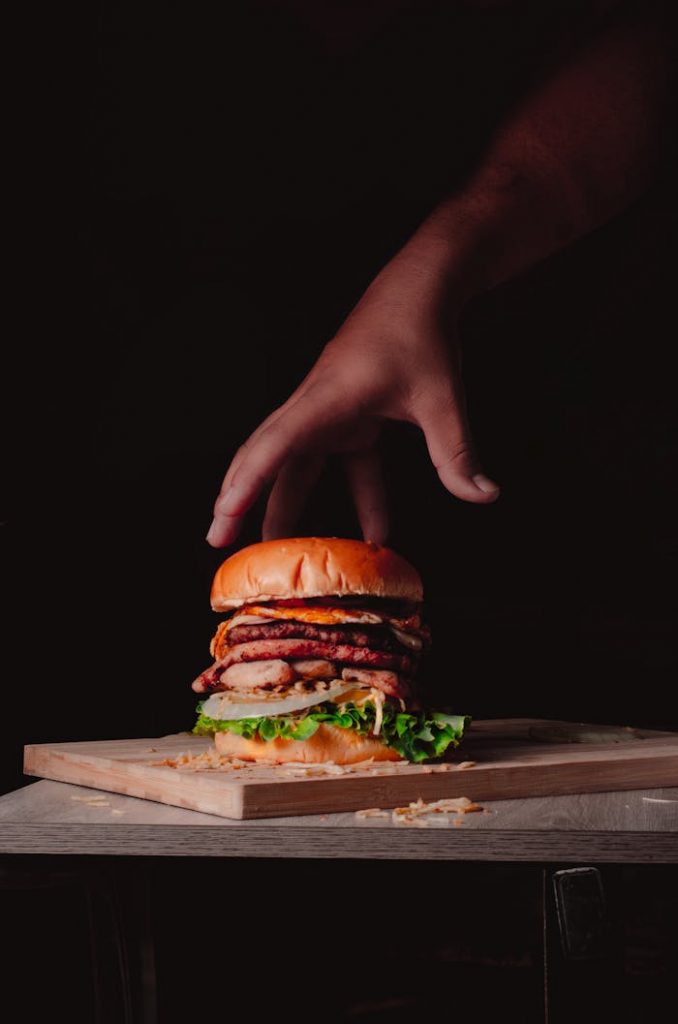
(211, 680)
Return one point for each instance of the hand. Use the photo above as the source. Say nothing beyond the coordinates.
(391, 360)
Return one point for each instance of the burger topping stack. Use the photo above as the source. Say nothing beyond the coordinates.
(337, 667)
(316, 641)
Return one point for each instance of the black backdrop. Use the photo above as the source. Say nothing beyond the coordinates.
(207, 196)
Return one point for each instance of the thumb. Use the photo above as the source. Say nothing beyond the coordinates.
(448, 438)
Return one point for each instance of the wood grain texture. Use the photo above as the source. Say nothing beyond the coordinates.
(508, 764)
(639, 827)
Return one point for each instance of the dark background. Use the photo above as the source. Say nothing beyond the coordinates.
(201, 199)
(207, 195)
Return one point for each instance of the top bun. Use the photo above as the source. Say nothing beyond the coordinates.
(300, 567)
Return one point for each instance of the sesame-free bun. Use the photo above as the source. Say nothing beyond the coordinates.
(328, 743)
(302, 567)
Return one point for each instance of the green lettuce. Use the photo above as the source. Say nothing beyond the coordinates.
(415, 735)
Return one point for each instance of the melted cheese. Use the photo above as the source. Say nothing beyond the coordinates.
(405, 630)
(316, 614)
(356, 696)
(218, 644)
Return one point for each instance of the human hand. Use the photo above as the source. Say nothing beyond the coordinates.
(391, 360)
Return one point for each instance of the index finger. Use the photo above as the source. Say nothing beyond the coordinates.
(263, 426)
(261, 457)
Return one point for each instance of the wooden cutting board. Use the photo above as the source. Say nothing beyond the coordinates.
(510, 758)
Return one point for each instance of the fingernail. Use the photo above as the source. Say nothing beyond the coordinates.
(212, 532)
(484, 484)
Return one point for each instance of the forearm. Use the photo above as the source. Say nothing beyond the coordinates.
(576, 153)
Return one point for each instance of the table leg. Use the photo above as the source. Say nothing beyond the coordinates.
(583, 969)
(58, 909)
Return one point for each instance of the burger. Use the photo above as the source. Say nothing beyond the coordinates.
(317, 655)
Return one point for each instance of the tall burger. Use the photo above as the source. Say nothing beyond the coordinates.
(316, 656)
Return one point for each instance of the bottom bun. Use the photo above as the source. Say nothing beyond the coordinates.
(328, 743)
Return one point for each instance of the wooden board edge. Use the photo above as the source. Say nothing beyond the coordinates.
(216, 796)
(272, 799)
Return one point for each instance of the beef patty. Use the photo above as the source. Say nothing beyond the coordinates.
(378, 638)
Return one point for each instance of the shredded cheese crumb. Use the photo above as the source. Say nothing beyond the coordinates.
(209, 760)
(378, 697)
(326, 768)
(419, 809)
(371, 812)
(447, 766)
(411, 821)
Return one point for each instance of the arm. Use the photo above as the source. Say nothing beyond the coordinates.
(577, 151)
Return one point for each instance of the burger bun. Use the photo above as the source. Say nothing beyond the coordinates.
(328, 743)
(306, 567)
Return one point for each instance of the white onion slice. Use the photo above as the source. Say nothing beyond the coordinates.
(248, 620)
(408, 639)
(230, 705)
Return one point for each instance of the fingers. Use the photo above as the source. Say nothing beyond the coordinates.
(295, 481)
(363, 470)
(257, 462)
(278, 439)
(448, 438)
(325, 416)
(263, 426)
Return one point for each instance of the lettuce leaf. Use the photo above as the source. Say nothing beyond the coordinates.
(416, 735)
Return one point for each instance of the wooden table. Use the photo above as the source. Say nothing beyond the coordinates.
(116, 841)
(639, 827)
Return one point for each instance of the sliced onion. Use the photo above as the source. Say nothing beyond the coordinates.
(248, 620)
(230, 705)
(408, 639)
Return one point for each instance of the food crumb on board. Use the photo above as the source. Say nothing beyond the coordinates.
(297, 769)
(209, 760)
(370, 766)
(116, 811)
(92, 801)
(419, 814)
(449, 766)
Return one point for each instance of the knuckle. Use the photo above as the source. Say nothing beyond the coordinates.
(454, 456)
(219, 508)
